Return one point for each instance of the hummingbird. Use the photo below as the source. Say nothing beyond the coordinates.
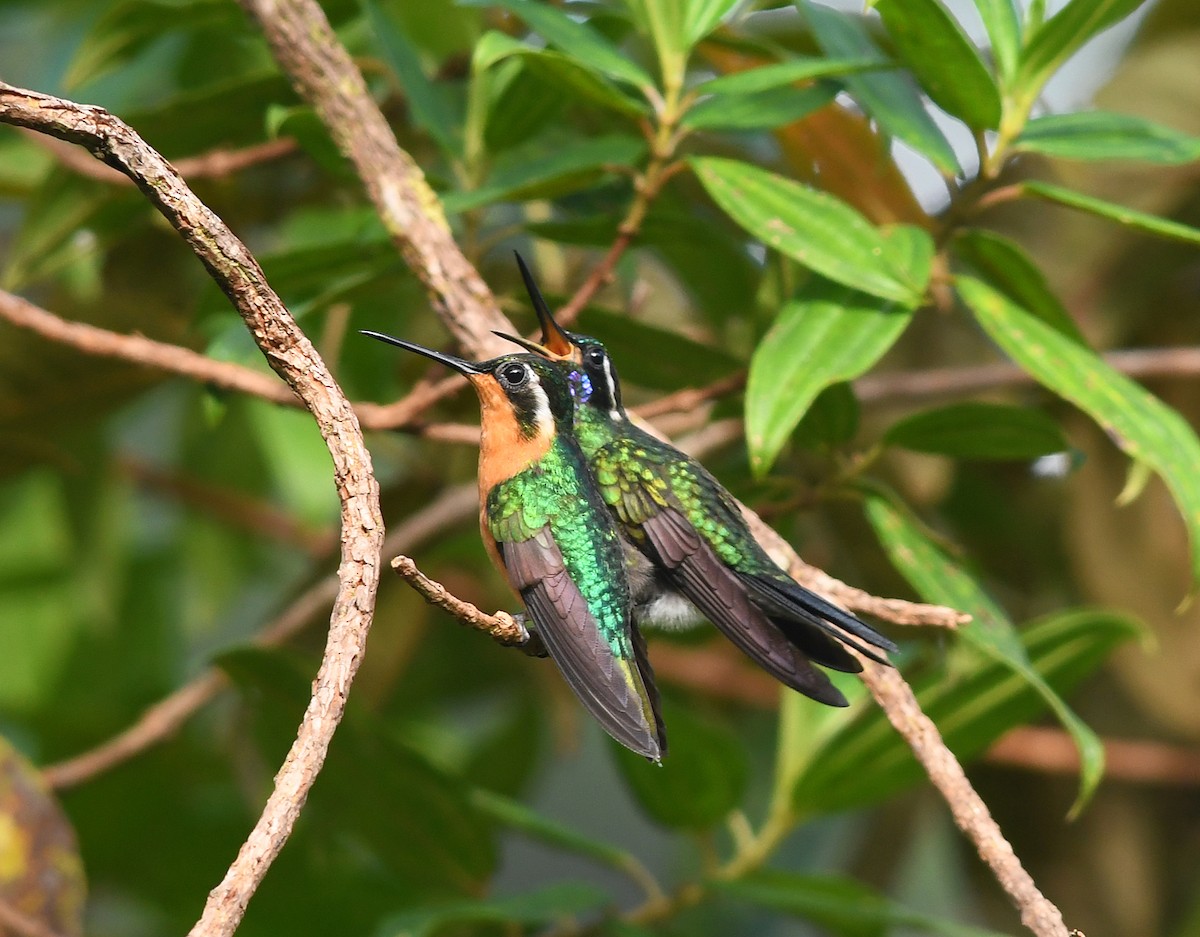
(690, 553)
(550, 534)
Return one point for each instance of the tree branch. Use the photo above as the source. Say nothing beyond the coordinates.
(970, 813)
(502, 626)
(1042, 748)
(215, 164)
(323, 74)
(293, 357)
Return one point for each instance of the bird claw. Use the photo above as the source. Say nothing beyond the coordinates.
(532, 642)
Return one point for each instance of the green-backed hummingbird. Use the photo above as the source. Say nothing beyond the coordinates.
(549, 532)
(695, 556)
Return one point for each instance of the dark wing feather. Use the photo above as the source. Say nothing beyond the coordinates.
(699, 574)
(792, 600)
(618, 696)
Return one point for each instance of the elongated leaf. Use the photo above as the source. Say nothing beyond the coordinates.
(699, 783)
(431, 110)
(979, 431)
(1131, 218)
(1060, 36)
(763, 110)
(866, 761)
(514, 814)
(568, 167)
(944, 60)
(559, 71)
(576, 39)
(1003, 25)
(818, 230)
(541, 907)
(767, 77)
(665, 21)
(1145, 428)
(701, 17)
(128, 28)
(893, 100)
(1004, 264)
(939, 579)
(814, 343)
(847, 907)
(1095, 135)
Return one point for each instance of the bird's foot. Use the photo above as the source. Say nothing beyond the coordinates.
(527, 640)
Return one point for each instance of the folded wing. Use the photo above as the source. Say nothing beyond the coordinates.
(616, 687)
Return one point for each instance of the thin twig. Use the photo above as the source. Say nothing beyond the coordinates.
(324, 75)
(215, 164)
(502, 626)
(1043, 748)
(164, 718)
(293, 357)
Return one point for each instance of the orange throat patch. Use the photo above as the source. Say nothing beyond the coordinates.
(504, 450)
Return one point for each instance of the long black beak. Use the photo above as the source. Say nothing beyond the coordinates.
(459, 364)
(555, 339)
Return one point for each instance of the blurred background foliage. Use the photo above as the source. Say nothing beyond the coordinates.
(151, 528)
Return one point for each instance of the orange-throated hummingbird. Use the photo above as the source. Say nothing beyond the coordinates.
(548, 531)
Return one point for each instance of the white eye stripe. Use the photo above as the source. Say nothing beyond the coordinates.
(611, 381)
(542, 416)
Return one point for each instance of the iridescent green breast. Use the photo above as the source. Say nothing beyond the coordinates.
(556, 492)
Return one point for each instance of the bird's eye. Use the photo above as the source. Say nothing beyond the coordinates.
(594, 356)
(514, 374)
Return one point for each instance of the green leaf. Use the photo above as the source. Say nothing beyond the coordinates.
(698, 783)
(1094, 135)
(1050, 45)
(939, 579)
(847, 907)
(521, 912)
(128, 28)
(578, 40)
(566, 167)
(665, 22)
(764, 110)
(979, 431)
(892, 100)
(820, 231)
(1131, 218)
(1145, 428)
(814, 343)
(701, 17)
(1003, 25)
(559, 71)
(769, 77)
(867, 761)
(430, 108)
(934, 46)
(1004, 264)
(514, 814)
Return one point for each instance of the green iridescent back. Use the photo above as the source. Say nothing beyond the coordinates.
(556, 492)
(639, 475)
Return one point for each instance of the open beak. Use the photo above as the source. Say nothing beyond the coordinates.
(458, 364)
(555, 339)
